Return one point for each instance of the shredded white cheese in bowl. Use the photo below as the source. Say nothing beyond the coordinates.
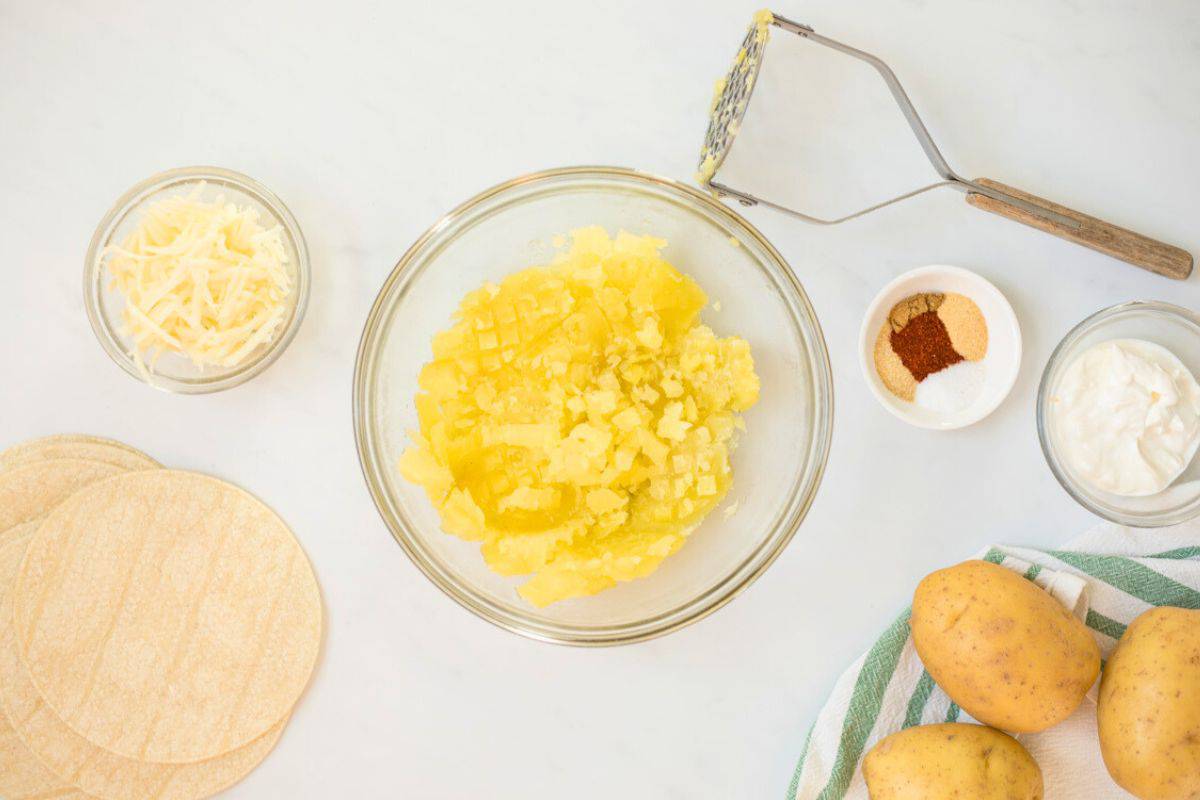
(197, 281)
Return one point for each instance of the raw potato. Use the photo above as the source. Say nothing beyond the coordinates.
(951, 761)
(1149, 707)
(167, 616)
(1003, 649)
(46, 739)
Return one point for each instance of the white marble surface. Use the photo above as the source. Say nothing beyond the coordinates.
(370, 120)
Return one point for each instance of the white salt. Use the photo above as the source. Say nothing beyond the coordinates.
(953, 389)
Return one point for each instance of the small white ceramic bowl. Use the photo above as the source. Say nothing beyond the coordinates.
(1002, 362)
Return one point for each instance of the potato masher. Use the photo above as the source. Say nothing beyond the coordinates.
(733, 97)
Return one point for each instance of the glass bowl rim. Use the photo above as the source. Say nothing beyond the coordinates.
(739, 576)
(1054, 364)
(126, 204)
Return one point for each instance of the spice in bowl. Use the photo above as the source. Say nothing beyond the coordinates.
(930, 351)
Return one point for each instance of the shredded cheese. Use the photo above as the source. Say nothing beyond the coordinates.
(200, 278)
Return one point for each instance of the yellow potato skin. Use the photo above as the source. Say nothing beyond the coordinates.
(1003, 649)
(951, 760)
(1149, 707)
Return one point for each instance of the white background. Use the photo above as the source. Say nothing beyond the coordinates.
(370, 120)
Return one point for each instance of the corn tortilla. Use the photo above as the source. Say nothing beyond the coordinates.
(22, 531)
(81, 446)
(98, 772)
(174, 603)
(22, 776)
(29, 491)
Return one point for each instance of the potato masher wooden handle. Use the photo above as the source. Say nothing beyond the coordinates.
(1141, 251)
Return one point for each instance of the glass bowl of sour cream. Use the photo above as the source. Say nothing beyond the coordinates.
(1118, 414)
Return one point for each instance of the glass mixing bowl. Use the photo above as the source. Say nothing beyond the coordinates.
(779, 459)
(173, 372)
(1176, 329)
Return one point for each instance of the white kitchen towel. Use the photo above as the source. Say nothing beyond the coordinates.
(1107, 577)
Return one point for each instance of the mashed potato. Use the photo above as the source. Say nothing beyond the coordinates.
(577, 418)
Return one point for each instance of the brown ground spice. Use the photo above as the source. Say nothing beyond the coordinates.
(898, 380)
(924, 334)
(912, 306)
(924, 345)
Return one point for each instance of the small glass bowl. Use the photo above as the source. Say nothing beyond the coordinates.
(779, 459)
(1176, 329)
(173, 372)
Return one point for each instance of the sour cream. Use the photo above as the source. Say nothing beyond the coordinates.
(1127, 417)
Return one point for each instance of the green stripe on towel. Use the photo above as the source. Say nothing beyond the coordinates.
(1132, 578)
(1179, 553)
(865, 703)
(795, 784)
(1109, 627)
(920, 696)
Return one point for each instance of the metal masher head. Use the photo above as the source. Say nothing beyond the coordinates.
(732, 96)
